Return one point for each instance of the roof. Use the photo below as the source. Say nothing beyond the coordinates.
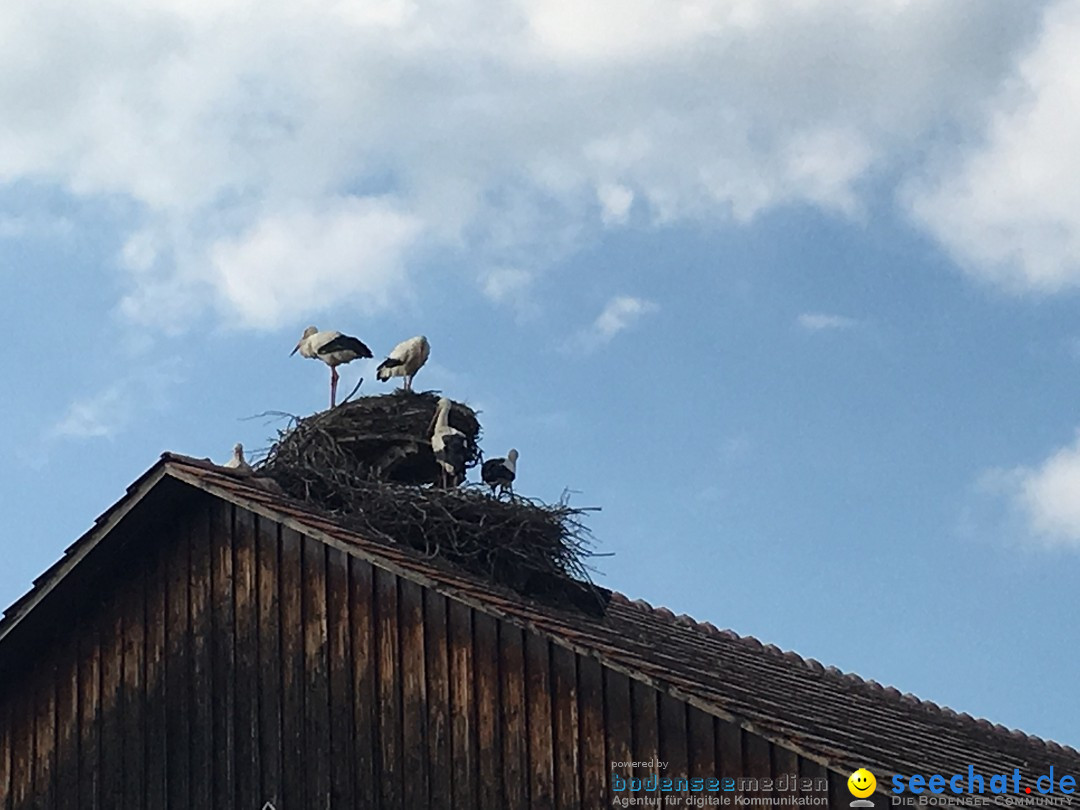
(836, 719)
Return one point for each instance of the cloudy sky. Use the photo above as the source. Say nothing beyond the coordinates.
(788, 289)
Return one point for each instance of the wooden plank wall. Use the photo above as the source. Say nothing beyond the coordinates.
(238, 662)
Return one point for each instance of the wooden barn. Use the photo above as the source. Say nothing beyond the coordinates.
(211, 644)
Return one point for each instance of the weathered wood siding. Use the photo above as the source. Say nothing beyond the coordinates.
(234, 662)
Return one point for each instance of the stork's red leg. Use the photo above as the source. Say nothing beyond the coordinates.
(333, 386)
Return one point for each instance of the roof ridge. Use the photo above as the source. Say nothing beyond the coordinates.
(869, 684)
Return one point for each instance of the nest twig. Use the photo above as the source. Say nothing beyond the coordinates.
(383, 437)
(363, 462)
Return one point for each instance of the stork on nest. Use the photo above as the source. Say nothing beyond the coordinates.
(238, 462)
(499, 473)
(404, 360)
(337, 461)
(385, 437)
(449, 445)
(334, 349)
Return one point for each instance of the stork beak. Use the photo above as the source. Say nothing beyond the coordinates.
(296, 348)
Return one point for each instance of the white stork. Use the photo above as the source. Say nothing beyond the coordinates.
(499, 473)
(405, 360)
(334, 349)
(237, 462)
(449, 446)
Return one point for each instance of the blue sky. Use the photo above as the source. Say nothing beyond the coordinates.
(790, 293)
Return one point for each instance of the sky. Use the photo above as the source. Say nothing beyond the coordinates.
(788, 290)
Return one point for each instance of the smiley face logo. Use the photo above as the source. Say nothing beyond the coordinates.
(861, 783)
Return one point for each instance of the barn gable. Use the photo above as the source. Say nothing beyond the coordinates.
(213, 644)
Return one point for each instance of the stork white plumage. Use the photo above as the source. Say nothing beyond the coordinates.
(334, 349)
(238, 462)
(448, 443)
(405, 360)
(499, 473)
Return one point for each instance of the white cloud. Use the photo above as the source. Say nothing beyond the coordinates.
(819, 321)
(512, 286)
(298, 259)
(615, 202)
(107, 413)
(1008, 206)
(506, 282)
(620, 313)
(20, 226)
(1046, 497)
(95, 417)
(351, 249)
(239, 128)
(624, 30)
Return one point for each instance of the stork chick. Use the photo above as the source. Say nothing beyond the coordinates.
(334, 349)
(405, 360)
(448, 443)
(238, 462)
(499, 473)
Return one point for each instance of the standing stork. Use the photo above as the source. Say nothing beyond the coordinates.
(405, 360)
(448, 443)
(499, 473)
(238, 462)
(334, 349)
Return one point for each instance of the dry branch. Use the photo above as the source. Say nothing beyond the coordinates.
(369, 463)
(381, 437)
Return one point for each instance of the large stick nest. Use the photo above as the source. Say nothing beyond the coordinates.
(384, 437)
(369, 463)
